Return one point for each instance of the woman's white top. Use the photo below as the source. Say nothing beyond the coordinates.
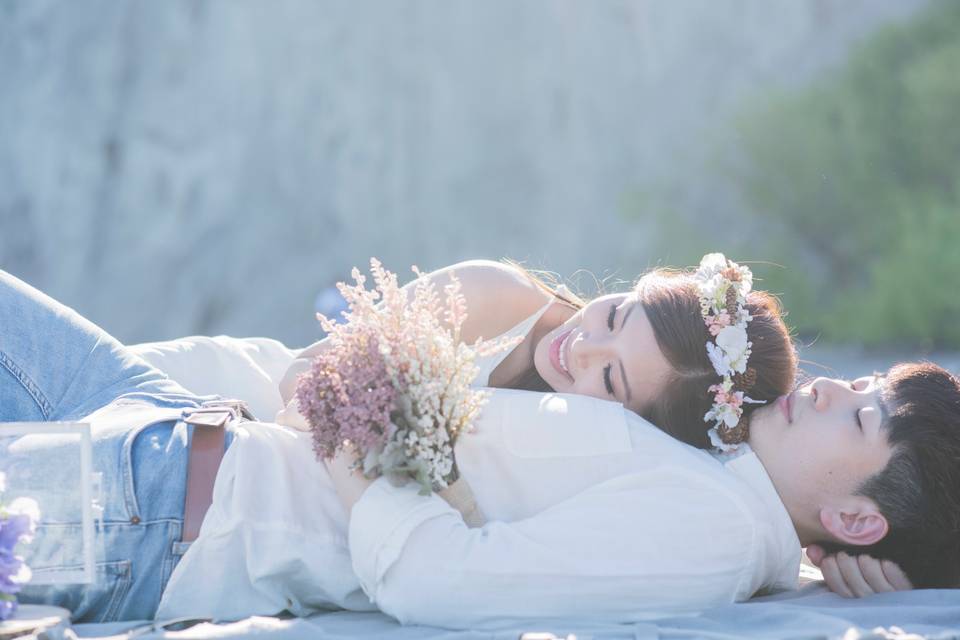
(593, 514)
(487, 364)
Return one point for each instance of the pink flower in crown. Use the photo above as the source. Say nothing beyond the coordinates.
(735, 400)
(724, 397)
(720, 394)
(716, 323)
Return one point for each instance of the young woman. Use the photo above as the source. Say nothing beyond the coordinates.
(58, 366)
(644, 348)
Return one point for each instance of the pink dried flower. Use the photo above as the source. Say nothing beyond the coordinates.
(395, 380)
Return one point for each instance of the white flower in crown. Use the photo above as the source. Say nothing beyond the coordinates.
(710, 265)
(713, 280)
(745, 283)
(715, 292)
(718, 443)
(735, 346)
(719, 360)
(742, 318)
(724, 413)
(730, 348)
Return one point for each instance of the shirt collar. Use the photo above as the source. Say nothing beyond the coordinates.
(784, 560)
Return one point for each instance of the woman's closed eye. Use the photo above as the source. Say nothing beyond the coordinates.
(607, 382)
(606, 378)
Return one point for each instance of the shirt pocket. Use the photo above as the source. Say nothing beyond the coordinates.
(560, 425)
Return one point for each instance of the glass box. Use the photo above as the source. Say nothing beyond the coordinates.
(51, 462)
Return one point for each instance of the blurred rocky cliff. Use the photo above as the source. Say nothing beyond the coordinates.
(182, 167)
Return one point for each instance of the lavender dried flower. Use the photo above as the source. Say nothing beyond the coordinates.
(396, 379)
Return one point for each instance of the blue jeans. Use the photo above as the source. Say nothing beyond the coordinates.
(56, 365)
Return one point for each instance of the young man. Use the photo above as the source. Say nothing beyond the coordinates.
(642, 525)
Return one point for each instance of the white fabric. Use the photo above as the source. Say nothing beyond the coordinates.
(274, 538)
(487, 364)
(631, 528)
(811, 612)
(249, 369)
(672, 527)
(667, 529)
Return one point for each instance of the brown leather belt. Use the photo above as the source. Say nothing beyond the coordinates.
(206, 451)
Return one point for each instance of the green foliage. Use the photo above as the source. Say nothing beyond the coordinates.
(914, 298)
(856, 183)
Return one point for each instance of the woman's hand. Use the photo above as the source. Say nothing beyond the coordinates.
(858, 576)
(288, 384)
(290, 416)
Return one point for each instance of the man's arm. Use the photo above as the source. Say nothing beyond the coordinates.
(626, 549)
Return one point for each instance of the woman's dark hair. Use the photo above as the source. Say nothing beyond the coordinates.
(672, 304)
(918, 491)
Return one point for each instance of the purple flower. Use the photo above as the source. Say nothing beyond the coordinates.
(14, 527)
(394, 379)
(7, 607)
(348, 395)
(18, 523)
(10, 567)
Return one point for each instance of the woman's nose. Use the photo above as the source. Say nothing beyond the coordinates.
(587, 348)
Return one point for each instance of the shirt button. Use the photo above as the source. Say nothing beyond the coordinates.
(135, 520)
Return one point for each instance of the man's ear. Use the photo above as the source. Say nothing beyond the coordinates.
(857, 521)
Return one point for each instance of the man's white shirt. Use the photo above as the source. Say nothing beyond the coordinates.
(593, 514)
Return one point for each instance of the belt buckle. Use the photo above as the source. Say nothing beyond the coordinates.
(239, 408)
(209, 417)
(217, 413)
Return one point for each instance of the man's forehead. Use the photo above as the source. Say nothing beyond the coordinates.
(878, 381)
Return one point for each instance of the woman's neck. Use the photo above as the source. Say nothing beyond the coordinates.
(518, 365)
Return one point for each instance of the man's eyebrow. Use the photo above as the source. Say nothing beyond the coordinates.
(623, 371)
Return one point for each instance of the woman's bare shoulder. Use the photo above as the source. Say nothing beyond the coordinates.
(498, 295)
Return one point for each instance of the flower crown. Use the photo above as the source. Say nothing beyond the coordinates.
(723, 286)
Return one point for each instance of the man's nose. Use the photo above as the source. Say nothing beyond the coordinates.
(824, 391)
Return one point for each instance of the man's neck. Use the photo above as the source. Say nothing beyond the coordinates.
(805, 526)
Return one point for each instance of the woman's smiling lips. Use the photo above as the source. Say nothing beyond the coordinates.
(555, 358)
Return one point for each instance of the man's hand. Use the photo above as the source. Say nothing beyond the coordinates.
(349, 483)
(858, 576)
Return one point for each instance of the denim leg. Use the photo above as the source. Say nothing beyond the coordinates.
(57, 365)
(137, 546)
(134, 542)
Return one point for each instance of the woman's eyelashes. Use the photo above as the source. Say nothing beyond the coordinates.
(607, 382)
